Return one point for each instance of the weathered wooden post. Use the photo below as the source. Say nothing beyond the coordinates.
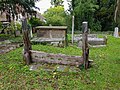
(85, 48)
(27, 44)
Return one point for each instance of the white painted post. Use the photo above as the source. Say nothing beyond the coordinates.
(73, 29)
(31, 33)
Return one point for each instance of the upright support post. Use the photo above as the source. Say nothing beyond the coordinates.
(85, 48)
(73, 29)
(27, 44)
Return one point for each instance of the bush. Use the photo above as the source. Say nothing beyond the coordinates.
(19, 26)
(96, 26)
(55, 16)
(0, 25)
(12, 26)
(35, 22)
(56, 21)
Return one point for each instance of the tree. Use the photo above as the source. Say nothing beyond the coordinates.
(84, 11)
(117, 13)
(99, 13)
(15, 7)
(105, 14)
(57, 2)
(55, 16)
(35, 22)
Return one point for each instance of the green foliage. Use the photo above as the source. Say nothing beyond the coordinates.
(56, 20)
(12, 26)
(11, 38)
(18, 39)
(84, 11)
(0, 25)
(15, 26)
(35, 22)
(26, 4)
(85, 7)
(57, 2)
(55, 16)
(4, 37)
(69, 22)
(105, 14)
(15, 7)
(98, 13)
(96, 26)
(19, 26)
(55, 50)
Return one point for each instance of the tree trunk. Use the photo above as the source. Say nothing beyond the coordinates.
(117, 10)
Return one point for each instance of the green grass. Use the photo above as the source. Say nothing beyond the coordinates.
(103, 75)
(50, 49)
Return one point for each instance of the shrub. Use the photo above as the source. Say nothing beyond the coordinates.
(0, 25)
(35, 22)
(19, 26)
(12, 26)
(55, 16)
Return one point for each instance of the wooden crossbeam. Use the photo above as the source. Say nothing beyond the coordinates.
(42, 57)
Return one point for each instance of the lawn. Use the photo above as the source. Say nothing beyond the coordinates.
(103, 75)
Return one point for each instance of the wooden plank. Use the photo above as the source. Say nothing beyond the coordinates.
(85, 48)
(57, 62)
(43, 57)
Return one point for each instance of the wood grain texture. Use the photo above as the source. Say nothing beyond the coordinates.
(42, 57)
